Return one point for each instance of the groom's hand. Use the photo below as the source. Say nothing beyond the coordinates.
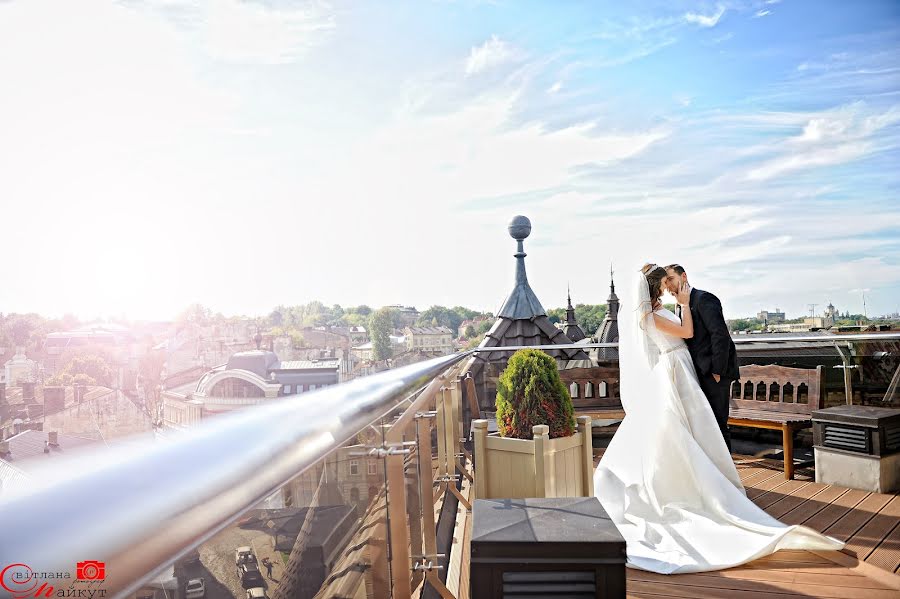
(717, 378)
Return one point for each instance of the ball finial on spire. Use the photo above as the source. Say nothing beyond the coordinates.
(519, 227)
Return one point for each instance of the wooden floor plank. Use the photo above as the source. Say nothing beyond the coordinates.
(786, 504)
(829, 576)
(758, 488)
(875, 532)
(782, 491)
(836, 510)
(866, 539)
(672, 589)
(696, 585)
(813, 506)
(887, 555)
(856, 519)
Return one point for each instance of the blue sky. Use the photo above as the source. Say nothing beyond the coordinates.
(247, 154)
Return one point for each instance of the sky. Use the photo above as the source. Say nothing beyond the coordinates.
(245, 154)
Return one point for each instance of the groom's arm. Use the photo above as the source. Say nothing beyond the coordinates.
(719, 338)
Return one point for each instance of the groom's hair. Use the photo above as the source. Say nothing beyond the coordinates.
(677, 268)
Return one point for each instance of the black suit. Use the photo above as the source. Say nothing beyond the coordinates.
(713, 352)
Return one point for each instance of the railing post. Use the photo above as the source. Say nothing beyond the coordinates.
(397, 514)
(426, 484)
(441, 409)
(584, 427)
(541, 434)
(481, 471)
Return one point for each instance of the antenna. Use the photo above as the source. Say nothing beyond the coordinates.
(865, 312)
(812, 309)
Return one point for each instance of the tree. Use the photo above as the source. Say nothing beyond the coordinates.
(555, 315)
(20, 327)
(470, 332)
(589, 317)
(195, 314)
(150, 370)
(94, 367)
(276, 318)
(530, 392)
(380, 327)
(441, 316)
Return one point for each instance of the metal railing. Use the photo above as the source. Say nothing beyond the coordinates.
(143, 505)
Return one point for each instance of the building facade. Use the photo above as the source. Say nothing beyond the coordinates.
(436, 340)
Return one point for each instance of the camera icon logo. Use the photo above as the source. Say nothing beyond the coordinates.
(90, 570)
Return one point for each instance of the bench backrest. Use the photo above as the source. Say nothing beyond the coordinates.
(763, 388)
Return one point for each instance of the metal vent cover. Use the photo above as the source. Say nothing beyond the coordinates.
(846, 437)
(528, 585)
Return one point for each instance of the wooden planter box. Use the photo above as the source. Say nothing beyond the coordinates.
(543, 467)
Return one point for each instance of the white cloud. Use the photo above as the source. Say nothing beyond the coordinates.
(762, 13)
(683, 99)
(489, 55)
(250, 32)
(829, 137)
(555, 87)
(816, 158)
(705, 20)
(723, 38)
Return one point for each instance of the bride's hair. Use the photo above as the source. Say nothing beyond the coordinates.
(655, 275)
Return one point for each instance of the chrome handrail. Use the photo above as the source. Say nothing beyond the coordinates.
(143, 505)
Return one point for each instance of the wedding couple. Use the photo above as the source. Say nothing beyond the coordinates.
(667, 479)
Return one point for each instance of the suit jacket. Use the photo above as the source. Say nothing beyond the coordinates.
(711, 347)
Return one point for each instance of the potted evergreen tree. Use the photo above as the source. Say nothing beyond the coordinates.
(539, 451)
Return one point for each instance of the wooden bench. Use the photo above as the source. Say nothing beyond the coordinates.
(759, 400)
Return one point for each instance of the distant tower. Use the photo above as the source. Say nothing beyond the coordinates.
(608, 332)
(831, 315)
(571, 328)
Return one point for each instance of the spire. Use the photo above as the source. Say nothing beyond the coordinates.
(612, 302)
(570, 311)
(522, 303)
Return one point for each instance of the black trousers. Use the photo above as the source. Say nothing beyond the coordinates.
(718, 396)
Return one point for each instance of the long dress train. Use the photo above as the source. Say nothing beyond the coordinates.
(668, 481)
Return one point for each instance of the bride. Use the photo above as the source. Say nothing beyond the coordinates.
(667, 479)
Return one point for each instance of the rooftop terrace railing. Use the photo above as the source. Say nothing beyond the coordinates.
(141, 506)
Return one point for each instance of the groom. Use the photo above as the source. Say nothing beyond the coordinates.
(712, 350)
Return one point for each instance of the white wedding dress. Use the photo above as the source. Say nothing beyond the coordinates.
(667, 479)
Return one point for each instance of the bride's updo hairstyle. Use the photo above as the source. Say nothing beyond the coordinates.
(655, 275)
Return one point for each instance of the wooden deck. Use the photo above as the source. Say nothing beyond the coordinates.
(867, 569)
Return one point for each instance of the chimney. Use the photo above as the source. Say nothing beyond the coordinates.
(53, 437)
(46, 446)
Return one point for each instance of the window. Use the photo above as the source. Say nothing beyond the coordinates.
(312, 387)
(287, 389)
(235, 387)
(589, 389)
(372, 467)
(573, 389)
(354, 467)
(602, 389)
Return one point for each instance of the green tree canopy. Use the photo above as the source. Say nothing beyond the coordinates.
(85, 369)
(380, 327)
